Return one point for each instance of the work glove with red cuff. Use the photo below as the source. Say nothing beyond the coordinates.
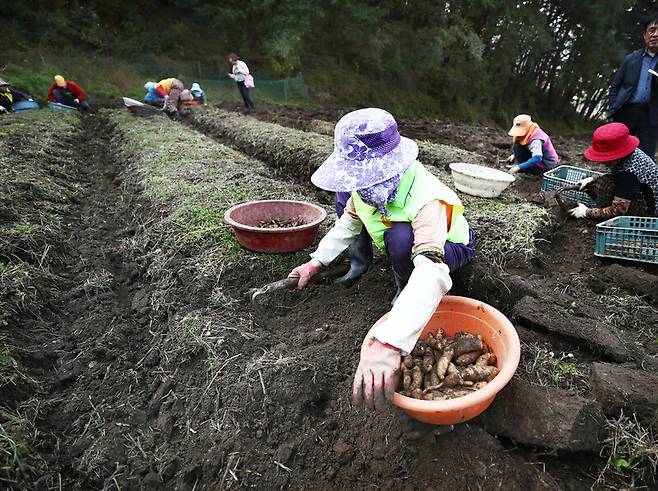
(377, 375)
(304, 272)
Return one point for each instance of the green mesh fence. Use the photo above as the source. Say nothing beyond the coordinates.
(212, 81)
(289, 89)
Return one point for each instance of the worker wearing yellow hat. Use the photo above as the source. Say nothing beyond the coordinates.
(67, 92)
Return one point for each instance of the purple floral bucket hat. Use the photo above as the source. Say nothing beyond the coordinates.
(368, 150)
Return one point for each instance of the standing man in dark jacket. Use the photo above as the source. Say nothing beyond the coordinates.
(634, 91)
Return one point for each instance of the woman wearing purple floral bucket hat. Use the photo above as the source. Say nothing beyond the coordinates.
(384, 195)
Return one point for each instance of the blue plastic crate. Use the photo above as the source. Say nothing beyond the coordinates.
(566, 175)
(631, 238)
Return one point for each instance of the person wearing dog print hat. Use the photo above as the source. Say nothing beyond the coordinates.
(408, 213)
(631, 186)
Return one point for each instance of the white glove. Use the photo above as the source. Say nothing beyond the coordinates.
(428, 283)
(510, 159)
(338, 239)
(584, 182)
(579, 211)
(2, 109)
(515, 169)
(77, 101)
(30, 99)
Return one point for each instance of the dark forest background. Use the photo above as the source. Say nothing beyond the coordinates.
(471, 60)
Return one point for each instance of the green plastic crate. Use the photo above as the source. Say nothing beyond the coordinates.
(566, 175)
(630, 238)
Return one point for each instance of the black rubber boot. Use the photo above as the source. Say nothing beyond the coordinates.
(360, 252)
(399, 284)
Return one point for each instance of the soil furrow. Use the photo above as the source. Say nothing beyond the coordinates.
(95, 329)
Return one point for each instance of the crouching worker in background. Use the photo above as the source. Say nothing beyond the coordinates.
(197, 93)
(533, 149)
(9, 97)
(385, 195)
(152, 98)
(631, 186)
(170, 89)
(67, 92)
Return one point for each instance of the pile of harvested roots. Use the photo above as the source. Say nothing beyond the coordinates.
(441, 367)
(284, 223)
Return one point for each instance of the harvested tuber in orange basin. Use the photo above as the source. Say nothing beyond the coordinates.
(446, 367)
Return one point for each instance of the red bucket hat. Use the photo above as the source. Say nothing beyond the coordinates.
(611, 142)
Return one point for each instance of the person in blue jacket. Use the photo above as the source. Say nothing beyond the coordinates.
(152, 97)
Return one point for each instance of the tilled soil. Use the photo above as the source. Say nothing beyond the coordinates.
(564, 276)
(93, 387)
(276, 413)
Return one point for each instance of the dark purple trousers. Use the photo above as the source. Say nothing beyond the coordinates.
(399, 239)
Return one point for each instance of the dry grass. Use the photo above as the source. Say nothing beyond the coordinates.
(632, 455)
(301, 151)
(632, 314)
(542, 366)
(18, 461)
(36, 191)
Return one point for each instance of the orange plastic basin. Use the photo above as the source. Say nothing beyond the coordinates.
(456, 314)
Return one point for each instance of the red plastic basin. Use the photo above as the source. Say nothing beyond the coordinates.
(456, 314)
(245, 217)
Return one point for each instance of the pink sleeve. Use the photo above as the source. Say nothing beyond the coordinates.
(351, 210)
(430, 229)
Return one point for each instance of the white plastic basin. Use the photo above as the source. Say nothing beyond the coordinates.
(131, 102)
(478, 180)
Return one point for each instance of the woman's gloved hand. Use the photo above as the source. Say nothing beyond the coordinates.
(514, 169)
(579, 211)
(377, 375)
(305, 271)
(584, 182)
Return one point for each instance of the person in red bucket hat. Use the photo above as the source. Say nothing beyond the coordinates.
(630, 188)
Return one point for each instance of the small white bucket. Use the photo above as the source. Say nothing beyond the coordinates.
(478, 180)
